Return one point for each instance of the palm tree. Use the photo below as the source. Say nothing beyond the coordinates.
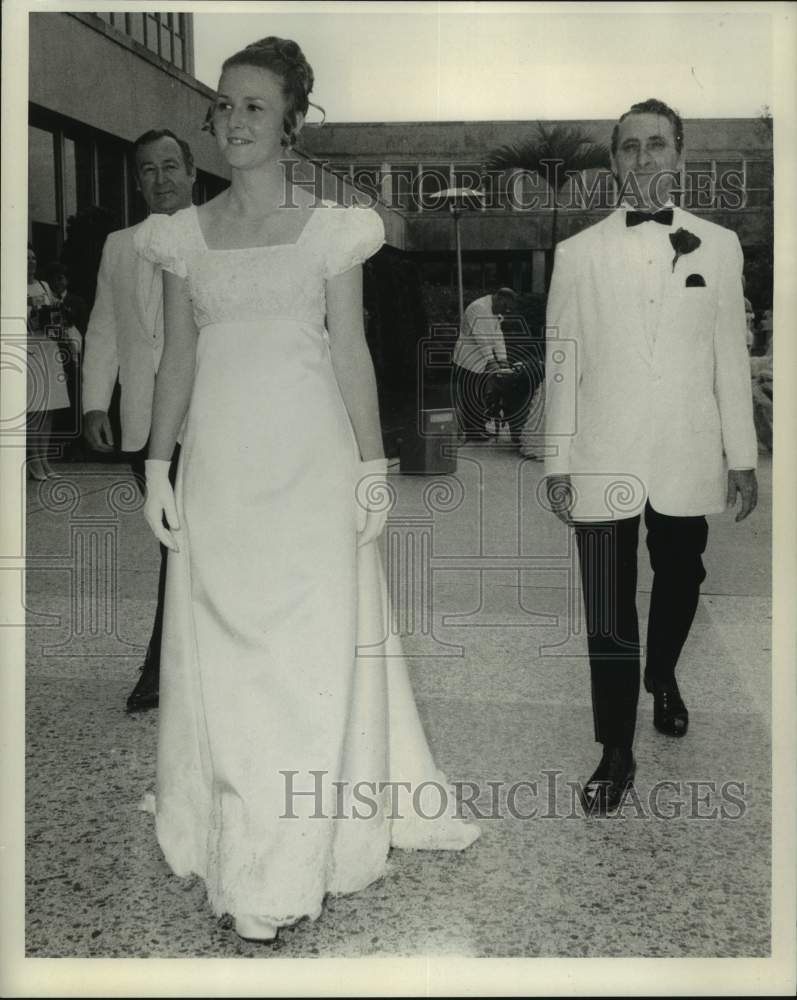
(555, 152)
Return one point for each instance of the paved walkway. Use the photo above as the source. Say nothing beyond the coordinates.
(503, 688)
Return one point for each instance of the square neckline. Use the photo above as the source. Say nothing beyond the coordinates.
(265, 246)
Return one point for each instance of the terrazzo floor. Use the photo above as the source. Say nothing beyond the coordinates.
(503, 690)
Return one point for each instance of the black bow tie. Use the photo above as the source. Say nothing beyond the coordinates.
(664, 216)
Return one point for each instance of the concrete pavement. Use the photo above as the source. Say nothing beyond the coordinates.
(483, 590)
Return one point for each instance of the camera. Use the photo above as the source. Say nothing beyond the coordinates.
(48, 320)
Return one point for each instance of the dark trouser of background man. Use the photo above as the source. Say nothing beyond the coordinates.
(145, 694)
(517, 394)
(467, 393)
(608, 562)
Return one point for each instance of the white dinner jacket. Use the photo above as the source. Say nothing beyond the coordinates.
(654, 409)
(125, 337)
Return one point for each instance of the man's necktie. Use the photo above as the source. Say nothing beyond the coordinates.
(664, 216)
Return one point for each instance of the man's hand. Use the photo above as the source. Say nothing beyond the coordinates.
(560, 497)
(97, 430)
(745, 483)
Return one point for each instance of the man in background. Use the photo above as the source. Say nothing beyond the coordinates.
(125, 340)
(480, 350)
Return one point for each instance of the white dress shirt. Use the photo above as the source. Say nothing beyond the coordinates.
(649, 255)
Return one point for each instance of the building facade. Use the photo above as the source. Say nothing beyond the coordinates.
(97, 81)
(727, 178)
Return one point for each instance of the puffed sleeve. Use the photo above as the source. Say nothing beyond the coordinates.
(161, 239)
(358, 234)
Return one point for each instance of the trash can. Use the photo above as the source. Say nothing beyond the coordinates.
(430, 447)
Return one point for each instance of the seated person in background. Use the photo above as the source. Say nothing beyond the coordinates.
(74, 315)
(761, 373)
(75, 309)
(766, 331)
(46, 381)
(749, 317)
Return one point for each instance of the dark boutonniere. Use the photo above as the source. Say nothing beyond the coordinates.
(683, 242)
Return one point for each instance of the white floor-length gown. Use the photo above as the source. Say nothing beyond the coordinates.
(261, 693)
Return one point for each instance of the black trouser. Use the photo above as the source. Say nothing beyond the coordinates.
(467, 394)
(608, 560)
(152, 660)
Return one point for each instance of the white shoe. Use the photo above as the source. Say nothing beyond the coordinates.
(448, 833)
(252, 928)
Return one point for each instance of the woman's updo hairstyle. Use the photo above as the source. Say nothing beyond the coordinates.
(286, 60)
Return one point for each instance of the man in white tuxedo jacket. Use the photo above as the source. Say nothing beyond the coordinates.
(125, 340)
(648, 412)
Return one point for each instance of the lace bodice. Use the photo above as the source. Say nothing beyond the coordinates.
(282, 281)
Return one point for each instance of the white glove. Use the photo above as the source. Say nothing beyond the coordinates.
(374, 499)
(160, 501)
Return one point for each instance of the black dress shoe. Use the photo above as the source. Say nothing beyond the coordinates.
(604, 791)
(145, 694)
(670, 715)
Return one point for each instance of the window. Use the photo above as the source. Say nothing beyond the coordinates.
(42, 193)
(490, 274)
(366, 178)
(729, 184)
(472, 274)
(135, 27)
(758, 183)
(698, 184)
(467, 175)
(591, 190)
(401, 181)
(151, 32)
(41, 175)
(167, 35)
(495, 186)
(178, 33)
(77, 169)
(433, 178)
(111, 173)
(440, 272)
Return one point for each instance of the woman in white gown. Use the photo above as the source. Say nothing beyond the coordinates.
(274, 577)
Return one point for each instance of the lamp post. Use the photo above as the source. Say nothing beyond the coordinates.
(458, 200)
